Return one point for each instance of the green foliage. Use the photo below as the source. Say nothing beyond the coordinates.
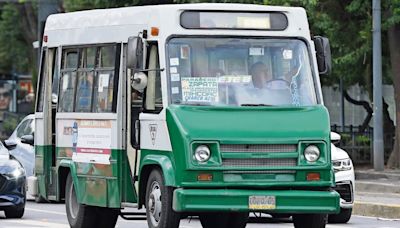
(14, 51)
(363, 140)
(9, 126)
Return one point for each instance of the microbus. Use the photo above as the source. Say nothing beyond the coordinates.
(208, 110)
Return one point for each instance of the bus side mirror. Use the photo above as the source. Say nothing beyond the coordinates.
(139, 81)
(324, 59)
(134, 57)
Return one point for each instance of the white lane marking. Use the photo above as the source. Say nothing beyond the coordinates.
(33, 223)
(45, 211)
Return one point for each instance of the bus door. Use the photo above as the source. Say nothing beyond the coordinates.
(145, 105)
(44, 124)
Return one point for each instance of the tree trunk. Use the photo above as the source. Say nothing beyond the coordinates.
(394, 47)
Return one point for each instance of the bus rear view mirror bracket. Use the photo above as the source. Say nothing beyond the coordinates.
(135, 53)
(324, 58)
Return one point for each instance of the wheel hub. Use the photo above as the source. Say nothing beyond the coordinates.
(154, 203)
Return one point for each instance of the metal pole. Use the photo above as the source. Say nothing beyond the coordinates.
(377, 85)
(342, 120)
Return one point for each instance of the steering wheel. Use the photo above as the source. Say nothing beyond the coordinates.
(278, 84)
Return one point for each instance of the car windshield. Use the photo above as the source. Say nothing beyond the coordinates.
(240, 72)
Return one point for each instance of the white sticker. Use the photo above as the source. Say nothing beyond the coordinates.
(287, 54)
(103, 82)
(175, 90)
(256, 51)
(65, 82)
(175, 78)
(200, 89)
(173, 70)
(174, 61)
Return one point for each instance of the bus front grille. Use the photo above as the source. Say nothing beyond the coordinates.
(258, 148)
(259, 162)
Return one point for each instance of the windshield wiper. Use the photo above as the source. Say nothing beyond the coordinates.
(255, 105)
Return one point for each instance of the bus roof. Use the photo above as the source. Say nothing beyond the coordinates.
(117, 24)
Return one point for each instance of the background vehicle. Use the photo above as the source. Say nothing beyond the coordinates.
(344, 177)
(12, 185)
(23, 152)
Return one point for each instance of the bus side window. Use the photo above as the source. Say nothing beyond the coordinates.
(153, 96)
(67, 83)
(42, 80)
(104, 91)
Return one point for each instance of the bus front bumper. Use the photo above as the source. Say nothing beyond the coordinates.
(286, 201)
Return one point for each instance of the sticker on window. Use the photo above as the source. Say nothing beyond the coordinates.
(200, 89)
(174, 61)
(173, 70)
(175, 77)
(103, 82)
(235, 79)
(287, 54)
(256, 51)
(65, 82)
(185, 51)
(175, 90)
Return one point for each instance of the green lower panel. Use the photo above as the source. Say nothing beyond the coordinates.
(287, 201)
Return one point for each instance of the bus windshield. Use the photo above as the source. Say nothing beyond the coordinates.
(240, 72)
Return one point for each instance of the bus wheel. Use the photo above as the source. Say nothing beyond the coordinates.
(224, 220)
(310, 220)
(159, 203)
(78, 215)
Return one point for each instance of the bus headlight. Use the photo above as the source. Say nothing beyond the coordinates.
(202, 153)
(311, 153)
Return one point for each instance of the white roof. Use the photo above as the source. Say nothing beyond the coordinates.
(117, 24)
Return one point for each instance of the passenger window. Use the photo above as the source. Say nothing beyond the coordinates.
(67, 90)
(56, 77)
(84, 92)
(42, 80)
(87, 85)
(153, 91)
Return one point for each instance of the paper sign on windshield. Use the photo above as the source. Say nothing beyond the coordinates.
(200, 89)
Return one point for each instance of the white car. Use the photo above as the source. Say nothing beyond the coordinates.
(344, 177)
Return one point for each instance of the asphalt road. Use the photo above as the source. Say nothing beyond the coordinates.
(54, 216)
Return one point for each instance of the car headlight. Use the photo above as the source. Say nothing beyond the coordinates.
(342, 165)
(311, 153)
(202, 153)
(15, 173)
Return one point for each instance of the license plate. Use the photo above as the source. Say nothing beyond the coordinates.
(262, 202)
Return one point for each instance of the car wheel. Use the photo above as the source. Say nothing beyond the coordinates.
(310, 220)
(17, 212)
(343, 217)
(159, 203)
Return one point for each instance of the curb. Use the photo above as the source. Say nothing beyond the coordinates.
(370, 186)
(390, 211)
(371, 175)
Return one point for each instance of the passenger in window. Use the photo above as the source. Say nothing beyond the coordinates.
(84, 93)
(259, 75)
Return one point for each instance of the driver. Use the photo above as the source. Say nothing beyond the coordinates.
(262, 78)
(260, 75)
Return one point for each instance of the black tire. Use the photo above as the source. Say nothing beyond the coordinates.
(224, 220)
(107, 217)
(15, 212)
(310, 220)
(79, 216)
(158, 203)
(343, 217)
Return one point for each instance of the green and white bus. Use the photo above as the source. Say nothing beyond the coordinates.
(209, 110)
